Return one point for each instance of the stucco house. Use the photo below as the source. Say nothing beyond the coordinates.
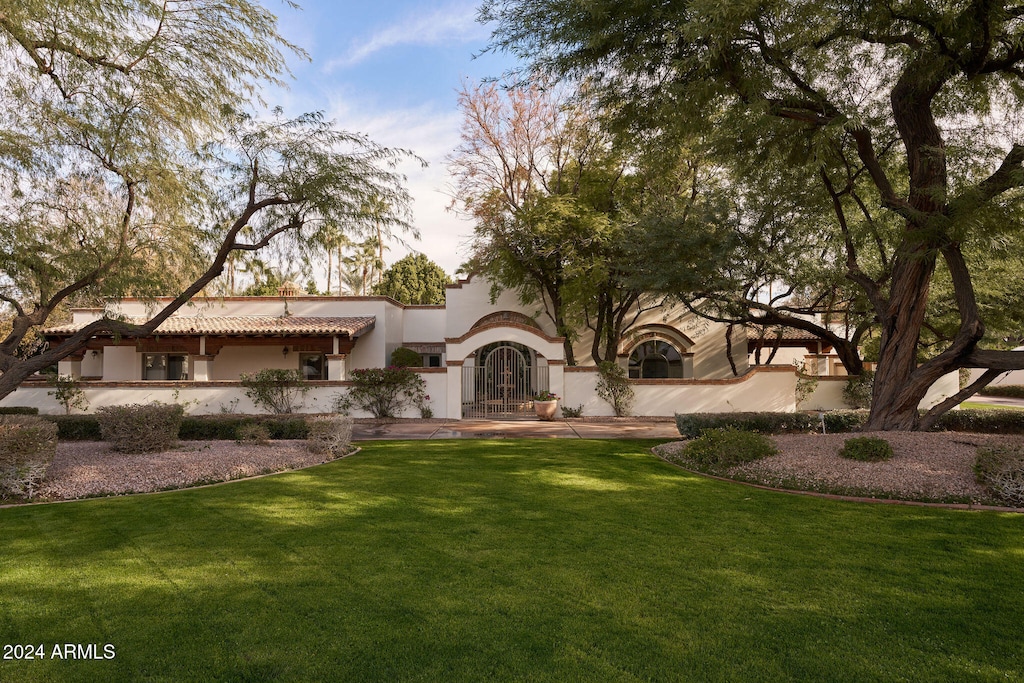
(480, 357)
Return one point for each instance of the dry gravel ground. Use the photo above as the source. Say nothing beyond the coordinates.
(925, 466)
(83, 469)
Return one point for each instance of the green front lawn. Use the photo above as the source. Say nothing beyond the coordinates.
(510, 560)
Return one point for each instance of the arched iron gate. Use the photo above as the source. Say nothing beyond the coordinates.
(502, 383)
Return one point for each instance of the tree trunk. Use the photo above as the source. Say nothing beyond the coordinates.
(899, 387)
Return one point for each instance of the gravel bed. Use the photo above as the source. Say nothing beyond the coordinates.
(82, 469)
(925, 465)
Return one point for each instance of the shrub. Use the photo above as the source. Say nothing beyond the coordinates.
(613, 387)
(806, 383)
(406, 358)
(137, 428)
(252, 432)
(330, 434)
(866, 449)
(842, 421)
(225, 427)
(1001, 470)
(77, 427)
(27, 447)
(690, 425)
(572, 412)
(383, 392)
(68, 393)
(983, 421)
(1007, 390)
(274, 390)
(18, 410)
(725, 448)
(857, 392)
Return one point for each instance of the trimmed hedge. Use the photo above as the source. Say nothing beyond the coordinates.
(18, 410)
(225, 427)
(193, 427)
(76, 427)
(690, 425)
(983, 421)
(1005, 390)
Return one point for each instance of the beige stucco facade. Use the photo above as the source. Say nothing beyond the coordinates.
(467, 346)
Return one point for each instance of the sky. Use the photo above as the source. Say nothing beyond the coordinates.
(391, 69)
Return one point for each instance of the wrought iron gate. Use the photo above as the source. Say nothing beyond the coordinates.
(502, 384)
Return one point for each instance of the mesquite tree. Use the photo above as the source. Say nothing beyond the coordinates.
(905, 115)
(128, 165)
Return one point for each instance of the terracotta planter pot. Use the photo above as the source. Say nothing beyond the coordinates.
(545, 409)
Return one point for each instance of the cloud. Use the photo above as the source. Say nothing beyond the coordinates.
(432, 134)
(453, 23)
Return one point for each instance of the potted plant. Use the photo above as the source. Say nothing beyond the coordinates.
(545, 404)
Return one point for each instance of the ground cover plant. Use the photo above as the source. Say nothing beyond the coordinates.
(538, 560)
(866, 449)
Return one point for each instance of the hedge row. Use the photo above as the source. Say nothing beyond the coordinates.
(18, 410)
(1005, 390)
(193, 427)
(691, 425)
(983, 421)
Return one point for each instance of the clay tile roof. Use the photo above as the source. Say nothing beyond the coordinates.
(247, 324)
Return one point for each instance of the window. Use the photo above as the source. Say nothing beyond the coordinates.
(164, 366)
(431, 360)
(312, 366)
(655, 359)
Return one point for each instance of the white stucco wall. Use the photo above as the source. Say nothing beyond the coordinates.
(424, 324)
(771, 391)
(469, 301)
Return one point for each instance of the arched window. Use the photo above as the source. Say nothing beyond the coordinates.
(655, 359)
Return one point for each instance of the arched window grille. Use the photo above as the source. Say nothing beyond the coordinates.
(655, 359)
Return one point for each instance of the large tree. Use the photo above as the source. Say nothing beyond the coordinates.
(908, 110)
(129, 166)
(548, 194)
(414, 279)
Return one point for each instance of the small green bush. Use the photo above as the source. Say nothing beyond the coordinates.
(137, 428)
(252, 433)
(1001, 470)
(406, 358)
(277, 391)
(857, 392)
(18, 410)
(728, 447)
(383, 392)
(68, 392)
(613, 387)
(572, 412)
(330, 434)
(866, 449)
(27, 447)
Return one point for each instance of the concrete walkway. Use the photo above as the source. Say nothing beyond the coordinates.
(613, 428)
